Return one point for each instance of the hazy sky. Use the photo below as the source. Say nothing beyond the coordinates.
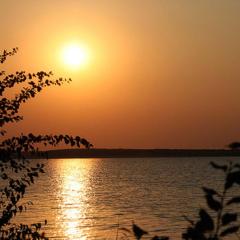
(161, 73)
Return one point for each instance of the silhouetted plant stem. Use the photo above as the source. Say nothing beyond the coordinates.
(219, 215)
(222, 201)
(220, 212)
(225, 222)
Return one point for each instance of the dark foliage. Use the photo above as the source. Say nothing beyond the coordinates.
(223, 221)
(17, 172)
(138, 232)
(216, 223)
(234, 145)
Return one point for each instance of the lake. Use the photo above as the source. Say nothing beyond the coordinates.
(88, 198)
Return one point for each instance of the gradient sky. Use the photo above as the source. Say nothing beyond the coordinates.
(162, 73)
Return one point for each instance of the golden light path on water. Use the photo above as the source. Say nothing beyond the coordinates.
(71, 188)
(74, 197)
(87, 198)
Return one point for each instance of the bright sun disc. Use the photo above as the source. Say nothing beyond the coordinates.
(75, 55)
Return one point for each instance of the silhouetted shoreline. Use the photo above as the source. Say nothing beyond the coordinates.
(136, 153)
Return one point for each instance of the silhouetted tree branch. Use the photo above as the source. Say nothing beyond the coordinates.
(16, 171)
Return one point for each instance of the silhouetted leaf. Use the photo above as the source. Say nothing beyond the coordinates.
(213, 203)
(236, 165)
(233, 177)
(205, 223)
(194, 234)
(228, 217)
(4, 176)
(229, 230)
(210, 191)
(233, 200)
(220, 167)
(138, 232)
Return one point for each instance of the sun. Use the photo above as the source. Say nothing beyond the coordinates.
(75, 55)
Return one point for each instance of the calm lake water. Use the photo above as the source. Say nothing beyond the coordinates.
(87, 198)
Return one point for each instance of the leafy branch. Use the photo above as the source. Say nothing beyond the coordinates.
(226, 221)
(16, 171)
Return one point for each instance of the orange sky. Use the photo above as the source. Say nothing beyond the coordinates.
(161, 74)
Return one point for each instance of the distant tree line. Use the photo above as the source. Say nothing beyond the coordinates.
(234, 145)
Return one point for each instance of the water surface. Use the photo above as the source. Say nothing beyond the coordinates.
(88, 198)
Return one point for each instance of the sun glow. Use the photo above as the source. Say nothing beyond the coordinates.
(75, 55)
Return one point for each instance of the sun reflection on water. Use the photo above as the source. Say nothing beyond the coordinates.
(74, 197)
